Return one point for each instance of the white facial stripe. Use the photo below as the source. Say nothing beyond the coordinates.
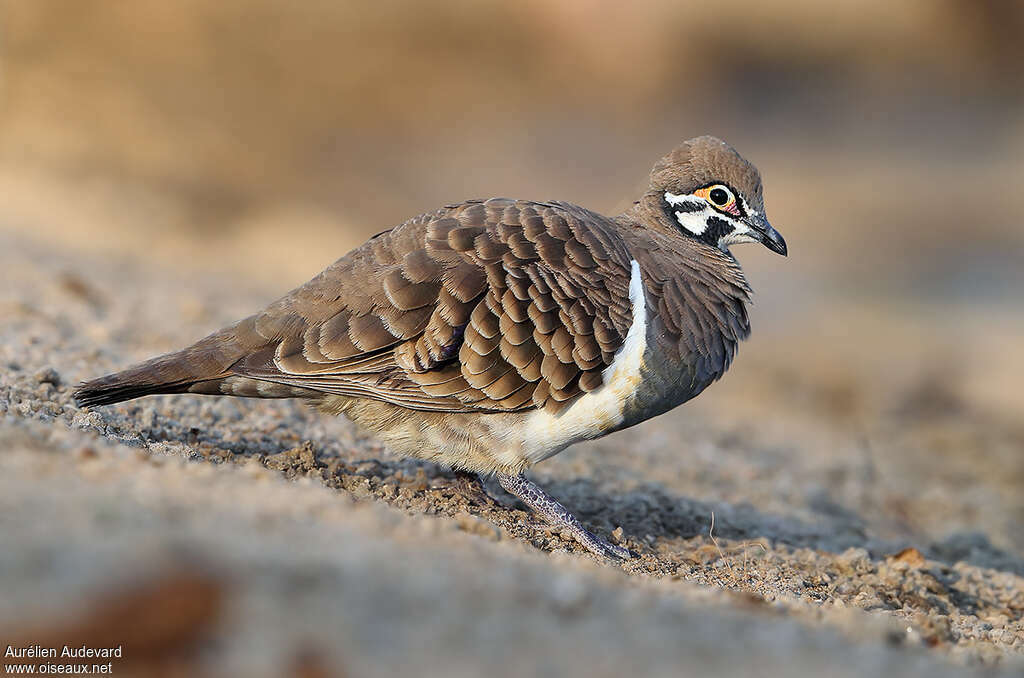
(673, 199)
(693, 216)
(740, 233)
(694, 222)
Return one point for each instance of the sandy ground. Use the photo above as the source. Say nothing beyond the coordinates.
(167, 168)
(229, 537)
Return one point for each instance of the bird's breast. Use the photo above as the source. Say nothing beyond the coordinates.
(605, 409)
(642, 381)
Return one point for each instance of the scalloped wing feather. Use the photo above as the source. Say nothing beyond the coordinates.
(492, 306)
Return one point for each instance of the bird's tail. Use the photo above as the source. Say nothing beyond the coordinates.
(200, 368)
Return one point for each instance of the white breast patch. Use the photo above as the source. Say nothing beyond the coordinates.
(597, 412)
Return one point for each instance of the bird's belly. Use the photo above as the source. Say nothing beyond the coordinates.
(641, 384)
(636, 393)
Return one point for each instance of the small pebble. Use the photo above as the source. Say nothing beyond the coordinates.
(48, 375)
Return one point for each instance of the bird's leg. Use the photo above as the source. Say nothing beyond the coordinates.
(470, 486)
(556, 514)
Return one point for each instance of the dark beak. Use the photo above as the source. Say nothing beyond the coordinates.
(768, 236)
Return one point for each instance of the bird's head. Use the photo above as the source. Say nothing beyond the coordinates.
(709, 192)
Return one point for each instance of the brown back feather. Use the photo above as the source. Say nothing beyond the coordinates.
(483, 306)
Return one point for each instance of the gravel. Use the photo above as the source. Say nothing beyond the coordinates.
(276, 541)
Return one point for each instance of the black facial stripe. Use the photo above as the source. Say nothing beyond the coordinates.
(716, 227)
(739, 208)
(716, 230)
(688, 206)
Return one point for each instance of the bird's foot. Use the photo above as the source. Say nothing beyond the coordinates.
(559, 516)
(471, 487)
(599, 546)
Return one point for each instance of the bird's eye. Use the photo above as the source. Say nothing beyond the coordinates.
(719, 196)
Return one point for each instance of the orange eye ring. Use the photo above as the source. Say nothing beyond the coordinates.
(721, 197)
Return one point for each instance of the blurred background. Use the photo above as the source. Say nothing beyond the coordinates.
(890, 135)
(266, 138)
(260, 140)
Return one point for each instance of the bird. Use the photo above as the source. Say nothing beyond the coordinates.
(489, 335)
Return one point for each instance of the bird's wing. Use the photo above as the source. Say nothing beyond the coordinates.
(483, 306)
